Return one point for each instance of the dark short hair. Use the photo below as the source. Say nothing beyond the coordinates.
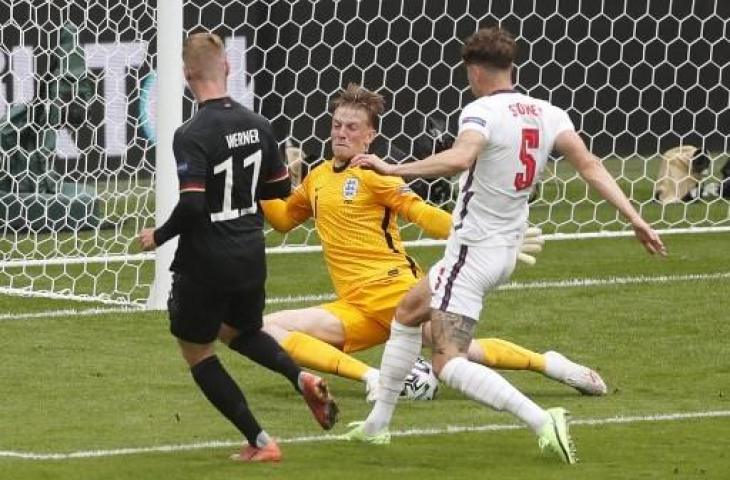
(490, 47)
(359, 97)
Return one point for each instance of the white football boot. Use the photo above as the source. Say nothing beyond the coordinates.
(583, 379)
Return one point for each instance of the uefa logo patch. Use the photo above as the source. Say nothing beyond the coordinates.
(479, 121)
(349, 190)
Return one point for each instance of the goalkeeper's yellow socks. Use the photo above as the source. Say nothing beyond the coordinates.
(313, 353)
(264, 350)
(504, 355)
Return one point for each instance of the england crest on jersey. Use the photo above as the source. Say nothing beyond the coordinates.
(349, 190)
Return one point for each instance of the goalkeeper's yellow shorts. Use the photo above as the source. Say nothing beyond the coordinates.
(367, 312)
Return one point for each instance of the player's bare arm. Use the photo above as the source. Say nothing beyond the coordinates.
(571, 146)
(455, 160)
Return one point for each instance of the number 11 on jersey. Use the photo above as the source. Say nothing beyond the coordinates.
(530, 139)
(228, 212)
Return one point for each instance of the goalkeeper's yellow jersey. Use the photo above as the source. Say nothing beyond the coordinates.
(355, 213)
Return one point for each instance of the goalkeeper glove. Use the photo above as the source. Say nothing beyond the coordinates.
(295, 164)
(531, 244)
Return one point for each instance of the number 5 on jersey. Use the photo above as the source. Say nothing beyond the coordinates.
(530, 139)
(228, 212)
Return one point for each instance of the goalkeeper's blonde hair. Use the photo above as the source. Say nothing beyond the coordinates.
(359, 97)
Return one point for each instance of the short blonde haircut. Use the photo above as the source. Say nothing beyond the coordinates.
(358, 97)
(204, 56)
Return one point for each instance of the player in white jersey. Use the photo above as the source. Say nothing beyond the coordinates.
(491, 212)
(503, 143)
(521, 132)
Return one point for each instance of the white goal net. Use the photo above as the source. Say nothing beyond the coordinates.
(78, 112)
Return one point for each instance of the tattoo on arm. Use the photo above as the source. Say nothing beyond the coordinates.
(451, 331)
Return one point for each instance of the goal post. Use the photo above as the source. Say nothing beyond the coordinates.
(170, 90)
(91, 92)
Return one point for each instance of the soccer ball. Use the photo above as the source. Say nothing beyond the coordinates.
(421, 383)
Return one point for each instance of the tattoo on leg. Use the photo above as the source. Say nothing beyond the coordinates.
(451, 331)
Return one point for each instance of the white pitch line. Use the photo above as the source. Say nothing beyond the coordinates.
(539, 285)
(71, 312)
(316, 298)
(451, 429)
(64, 295)
(610, 281)
(326, 297)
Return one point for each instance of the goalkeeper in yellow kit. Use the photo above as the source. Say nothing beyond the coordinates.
(355, 213)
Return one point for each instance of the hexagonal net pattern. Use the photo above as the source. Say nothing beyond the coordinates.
(78, 107)
(637, 78)
(77, 147)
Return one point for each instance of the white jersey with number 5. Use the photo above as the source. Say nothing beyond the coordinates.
(492, 207)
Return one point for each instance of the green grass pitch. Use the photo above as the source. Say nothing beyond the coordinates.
(105, 382)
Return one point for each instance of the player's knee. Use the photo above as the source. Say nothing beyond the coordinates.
(439, 361)
(315, 322)
(227, 333)
(413, 311)
(280, 324)
(195, 353)
(412, 315)
(284, 319)
(275, 331)
(476, 353)
(415, 307)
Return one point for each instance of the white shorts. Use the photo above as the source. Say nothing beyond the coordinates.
(460, 280)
